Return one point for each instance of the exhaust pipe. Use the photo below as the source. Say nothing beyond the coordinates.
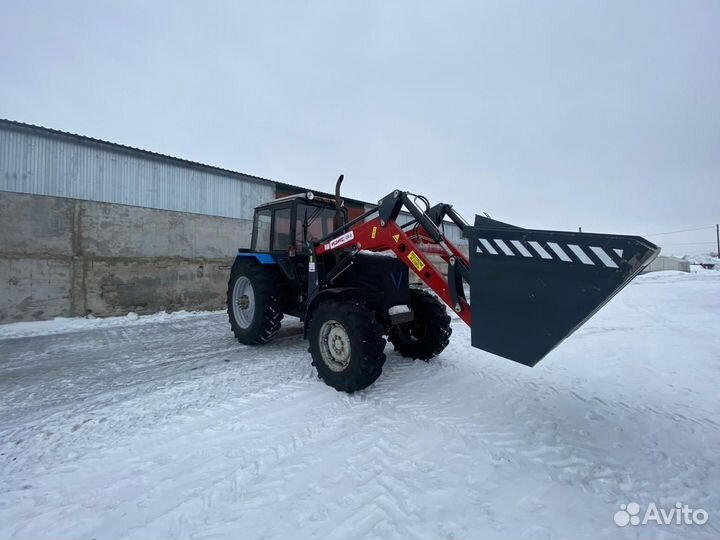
(338, 221)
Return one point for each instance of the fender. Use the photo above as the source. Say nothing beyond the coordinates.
(262, 258)
(339, 293)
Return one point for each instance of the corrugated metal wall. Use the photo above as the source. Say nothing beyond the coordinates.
(48, 164)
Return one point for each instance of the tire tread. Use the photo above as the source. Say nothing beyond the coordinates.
(365, 334)
(267, 285)
(433, 311)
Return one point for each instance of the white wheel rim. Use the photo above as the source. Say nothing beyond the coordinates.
(334, 345)
(243, 297)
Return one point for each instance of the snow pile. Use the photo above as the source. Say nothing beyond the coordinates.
(668, 276)
(61, 325)
(703, 259)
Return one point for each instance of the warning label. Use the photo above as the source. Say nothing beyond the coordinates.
(416, 261)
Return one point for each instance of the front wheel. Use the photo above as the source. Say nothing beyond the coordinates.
(346, 344)
(428, 333)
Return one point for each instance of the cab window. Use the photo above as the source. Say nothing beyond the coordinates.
(263, 223)
(281, 231)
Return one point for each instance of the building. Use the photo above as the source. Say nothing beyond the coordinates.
(663, 262)
(93, 227)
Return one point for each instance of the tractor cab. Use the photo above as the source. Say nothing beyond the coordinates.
(285, 227)
(284, 231)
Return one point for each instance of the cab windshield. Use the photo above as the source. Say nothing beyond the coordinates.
(317, 220)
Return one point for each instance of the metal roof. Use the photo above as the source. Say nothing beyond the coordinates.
(83, 139)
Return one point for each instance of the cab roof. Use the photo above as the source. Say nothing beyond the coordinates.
(308, 197)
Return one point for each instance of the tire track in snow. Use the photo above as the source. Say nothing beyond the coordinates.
(547, 444)
(215, 448)
(155, 392)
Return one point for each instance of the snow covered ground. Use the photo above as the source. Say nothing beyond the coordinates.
(165, 427)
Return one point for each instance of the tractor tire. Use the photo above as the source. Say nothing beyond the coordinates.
(346, 344)
(254, 302)
(428, 334)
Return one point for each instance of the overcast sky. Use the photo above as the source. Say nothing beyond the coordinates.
(604, 115)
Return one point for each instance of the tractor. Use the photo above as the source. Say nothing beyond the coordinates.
(521, 291)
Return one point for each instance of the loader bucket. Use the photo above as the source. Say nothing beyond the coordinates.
(530, 289)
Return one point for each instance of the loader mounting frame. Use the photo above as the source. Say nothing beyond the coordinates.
(377, 230)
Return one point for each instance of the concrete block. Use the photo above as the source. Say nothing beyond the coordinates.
(113, 230)
(36, 225)
(147, 286)
(34, 289)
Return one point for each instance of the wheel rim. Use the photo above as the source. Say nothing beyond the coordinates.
(243, 302)
(334, 344)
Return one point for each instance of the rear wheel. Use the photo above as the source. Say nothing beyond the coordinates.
(254, 302)
(346, 344)
(428, 334)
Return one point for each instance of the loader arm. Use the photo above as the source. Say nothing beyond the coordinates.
(372, 236)
(377, 230)
(529, 289)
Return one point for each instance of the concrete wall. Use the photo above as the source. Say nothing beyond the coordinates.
(67, 257)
